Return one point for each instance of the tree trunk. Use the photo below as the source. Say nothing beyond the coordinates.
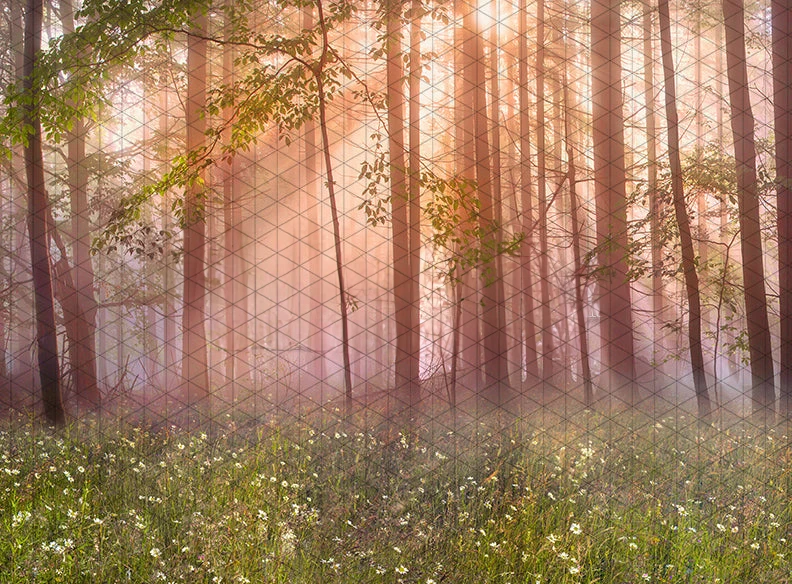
(194, 358)
(610, 193)
(402, 286)
(314, 239)
(531, 358)
(497, 214)
(82, 348)
(467, 337)
(683, 222)
(577, 247)
(342, 293)
(742, 122)
(655, 202)
(495, 370)
(38, 211)
(548, 341)
(414, 204)
(782, 103)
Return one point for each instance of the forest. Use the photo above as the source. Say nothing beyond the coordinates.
(238, 207)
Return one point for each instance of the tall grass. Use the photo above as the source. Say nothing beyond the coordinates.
(589, 499)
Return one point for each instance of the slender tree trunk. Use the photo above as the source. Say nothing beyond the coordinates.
(497, 213)
(468, 342)
(168, 305)
(548, 341)
(342, 293)
(655, 202)
(577, 247)
(194, 358)
(414, 204)
(402, 286)
(742, 121)
(82, 347)
(38, 211)
(531, 359)
(495, 370)
(678, 195)
(782, 103)
(610, 188)
(314, 239)
(235, 286)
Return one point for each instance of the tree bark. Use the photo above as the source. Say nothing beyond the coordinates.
(38, 211)
(318, 73)
(529, 328)
(683, 222)
(742, 122)
(194, 358)
(495, 369)
(610, 193)
(782, 105)
(82, 347)
(548, 342)
(655, 202)
(400, 212)
(414, 205)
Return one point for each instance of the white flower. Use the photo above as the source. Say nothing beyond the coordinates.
(720, 527)
(574, 569)
(401, 570)
(154, 552)
(575, 528)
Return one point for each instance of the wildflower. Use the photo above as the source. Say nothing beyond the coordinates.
(576, 529)
(720, 527)
(401, 570)
(154, 552)
(574, 569)
(755, 545)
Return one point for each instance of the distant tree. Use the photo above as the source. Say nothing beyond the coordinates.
(683, 222)
(526, 272)
(782, 104)
(742, 123)
(401, 193)
(655, 201)
(548, 340)
(577, 249)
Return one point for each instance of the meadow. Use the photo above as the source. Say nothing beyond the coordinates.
(546, 499)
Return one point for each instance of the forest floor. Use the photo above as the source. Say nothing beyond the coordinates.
(626, 499)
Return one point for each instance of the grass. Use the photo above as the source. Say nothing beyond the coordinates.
(593, 499)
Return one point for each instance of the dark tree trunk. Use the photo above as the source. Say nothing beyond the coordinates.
(402, 286)
(194, 358)
(782, 103)
(610, 192)
(38, 211)
(319, 73)
(683, 222)
(742, 122)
